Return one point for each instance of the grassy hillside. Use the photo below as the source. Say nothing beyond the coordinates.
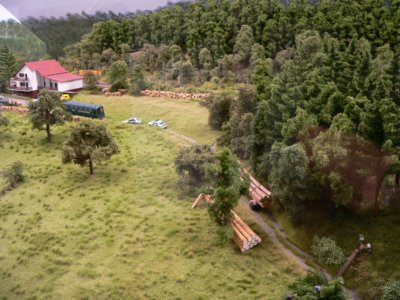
(124, 233)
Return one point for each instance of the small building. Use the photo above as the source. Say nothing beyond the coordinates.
(44, 74)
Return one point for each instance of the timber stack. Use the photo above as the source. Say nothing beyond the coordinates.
(243, 236)
(168, 94)
(15, 109)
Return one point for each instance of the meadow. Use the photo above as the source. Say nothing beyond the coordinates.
(126, 232)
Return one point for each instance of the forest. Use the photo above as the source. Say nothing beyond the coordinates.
(306, 93)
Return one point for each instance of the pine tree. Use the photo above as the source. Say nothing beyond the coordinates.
(8, 64)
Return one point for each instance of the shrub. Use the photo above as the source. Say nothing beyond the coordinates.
(391, 291)
(327, 251)
(190, 165)
(219, 109)
(14, 174)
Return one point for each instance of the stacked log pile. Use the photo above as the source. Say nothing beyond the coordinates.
(15, 109)
(168, 94)
(244, 237)
(258, 192)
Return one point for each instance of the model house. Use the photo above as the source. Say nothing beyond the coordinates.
(44, 74)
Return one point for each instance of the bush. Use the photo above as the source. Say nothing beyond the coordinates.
(327, 251)
(14, 174)
(190, 165)
(219, 109)
(304, 287)
(391, 291)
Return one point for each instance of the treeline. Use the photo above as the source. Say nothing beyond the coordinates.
(57, 33)
(21, 41)
(215, 24)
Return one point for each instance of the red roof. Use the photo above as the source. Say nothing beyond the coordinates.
(64, 77)
(46, 67)
(52, 70)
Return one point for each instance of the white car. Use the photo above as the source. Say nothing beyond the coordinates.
(158, 123)
(133, 121)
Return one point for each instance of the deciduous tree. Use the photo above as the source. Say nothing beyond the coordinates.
(88, 142)
(47, 111)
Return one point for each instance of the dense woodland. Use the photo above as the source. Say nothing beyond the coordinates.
(315, 86)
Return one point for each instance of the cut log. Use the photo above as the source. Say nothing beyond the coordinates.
(242, 230)
(197, 200)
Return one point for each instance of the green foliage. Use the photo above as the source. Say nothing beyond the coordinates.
(219, 109)
(238, 131)
(327, 251)
(8, 64)
(137, 83)
(90, 81)
(14, 174)
(117, 75)
(88, 142)
(290, 179)
(304, 288)
(244, 42)
(225, 179)
(25, 45)
(190, 164)
(391, 291)
(47, 111)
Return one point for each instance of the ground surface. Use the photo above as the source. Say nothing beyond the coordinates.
(124, 233)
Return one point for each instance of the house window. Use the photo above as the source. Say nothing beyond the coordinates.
(51, 84)
(56, 85)
(22, 75)
(22, 83)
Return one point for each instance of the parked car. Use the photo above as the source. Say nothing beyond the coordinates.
(158, 123)
(65, 97)
(133, 120)
(6, 102)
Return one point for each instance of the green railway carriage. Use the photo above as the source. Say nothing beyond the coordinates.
(95, 111)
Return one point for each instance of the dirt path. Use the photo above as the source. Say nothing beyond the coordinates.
(271, 232)
(286, 247)
(185, 138)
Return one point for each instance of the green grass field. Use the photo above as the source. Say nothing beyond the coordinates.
(124, 233)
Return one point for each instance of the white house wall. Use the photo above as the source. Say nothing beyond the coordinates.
(32, 79)
(70, 85)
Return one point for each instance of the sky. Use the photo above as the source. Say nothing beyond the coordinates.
(5, 14)
(22, 9)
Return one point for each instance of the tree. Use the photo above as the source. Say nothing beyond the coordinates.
(117, 75)
(8, 64)
(391, 291)
(290, 179)
(47, 111)
(14, 174)
(228, 187)
(88, 142)
(327, 251)
(219, 109)
(304, 287)
(190, 165)
(137, 83)
(90, 81)
(244, 43)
